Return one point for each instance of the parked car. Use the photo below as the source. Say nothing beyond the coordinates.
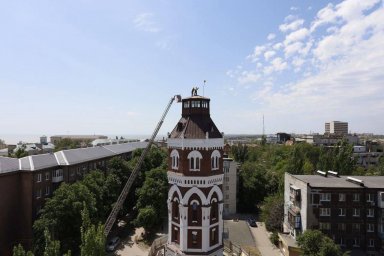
(252, 222)
(112, 244)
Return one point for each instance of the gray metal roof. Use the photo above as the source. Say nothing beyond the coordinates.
(341, 182)
(8, 164)
(66, 157)
(37, 162)
(125, 147)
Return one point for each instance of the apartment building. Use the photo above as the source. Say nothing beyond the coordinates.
(27, 182)
(336, 127)
(350, 210)
(231, 168)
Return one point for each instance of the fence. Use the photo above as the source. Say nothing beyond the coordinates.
(157, 245)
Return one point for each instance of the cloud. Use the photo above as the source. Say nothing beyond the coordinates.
(271, 36)
(248, 77)
(338, 68)
(294, 8)
(285, 27)
(269, 54)
(256, 53)
(144, 22)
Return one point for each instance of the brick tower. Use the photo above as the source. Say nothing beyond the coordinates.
(195, 177)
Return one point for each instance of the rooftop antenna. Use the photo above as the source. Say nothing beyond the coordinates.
(203, 87)
(263, 126)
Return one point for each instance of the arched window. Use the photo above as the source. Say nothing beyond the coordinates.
(215, 156)
(194, 160)
(175, 159)
(194, 211)
(175, 208)
(214, 209)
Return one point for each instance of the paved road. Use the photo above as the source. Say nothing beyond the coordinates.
(239, 232)
(263, 243)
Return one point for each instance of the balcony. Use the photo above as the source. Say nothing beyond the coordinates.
(57, 176)
(294, 217)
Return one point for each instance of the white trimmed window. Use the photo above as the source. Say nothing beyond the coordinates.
(356, 242)
(324, 226)
(355, 226)
(325, 197)
(356, 212)
(342, 197)
(341, 226)
(370, 197)
(195, 211)
(215, 159)
(371, 243)
(38, 193)
(371, 212)
(47, 176)
(341, 211)
(325, 211)
(356, 197)
(47, 190)
(175, 159)
(194, 160)
(38, 177)
(370, 227)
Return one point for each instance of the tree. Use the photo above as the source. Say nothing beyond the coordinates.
(296, 161)
(19, 251)
(343, 162)
(153, 193)
(147, 218)
(61, 215)
(252, 186)
(273, 212)
(315, 243)
(20, 152)
(52, 248)
(240, 152)
(92, 237)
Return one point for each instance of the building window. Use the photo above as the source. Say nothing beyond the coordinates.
(341, 211)
(38, 193)
(194, 237)
(213, 235)
(175, 159)
(47, 190)
(356, 226)
(356, 242)
(47, 176)
(325, 197)
(370, 197)
(226, 187)
(39, 177)
(342, 197)
(371, 212)
(324, 225)
(356, 212)
(371, 243)
(194, 160)
(356, 197)
(176, 234)
(214, 209)
(325, 211)
(194, 212)
(215, 159)
(370, 227)
(226, 196)
(341, 226)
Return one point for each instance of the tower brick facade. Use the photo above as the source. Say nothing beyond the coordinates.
(195, 177)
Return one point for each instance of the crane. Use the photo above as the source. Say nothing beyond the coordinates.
(123, 195)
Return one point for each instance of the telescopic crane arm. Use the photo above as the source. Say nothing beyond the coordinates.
(123, 195)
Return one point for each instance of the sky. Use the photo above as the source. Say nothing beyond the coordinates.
(110, 67)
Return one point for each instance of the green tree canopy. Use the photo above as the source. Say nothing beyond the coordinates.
(315, 243)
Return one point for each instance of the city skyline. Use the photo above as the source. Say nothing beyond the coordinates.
(95, 68)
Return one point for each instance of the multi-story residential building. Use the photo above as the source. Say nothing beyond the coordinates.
(336, 127)
(350, 210)
(27, 182)
(231, 168)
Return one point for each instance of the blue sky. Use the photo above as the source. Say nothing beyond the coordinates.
(110, 67)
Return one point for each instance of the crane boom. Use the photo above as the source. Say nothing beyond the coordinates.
(123, 195)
